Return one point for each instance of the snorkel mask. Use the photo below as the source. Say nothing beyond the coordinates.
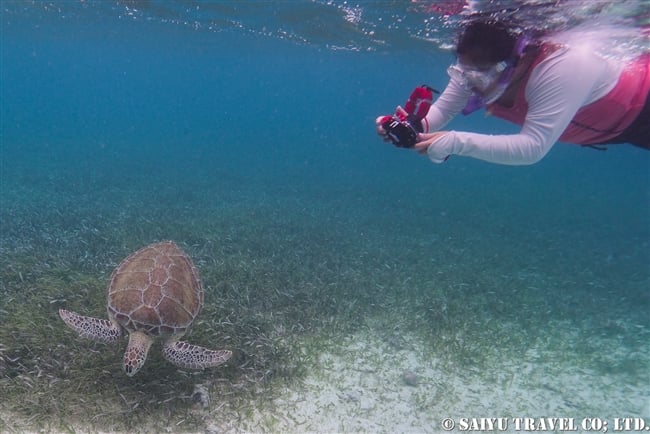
(487, 86)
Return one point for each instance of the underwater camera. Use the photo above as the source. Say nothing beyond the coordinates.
(404, 133)
(403, 127)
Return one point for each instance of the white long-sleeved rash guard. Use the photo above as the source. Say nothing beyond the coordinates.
(559, 86)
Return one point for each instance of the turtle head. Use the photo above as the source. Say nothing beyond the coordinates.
(136, 352)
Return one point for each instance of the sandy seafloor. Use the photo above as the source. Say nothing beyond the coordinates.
(359, 386)
(487, 328)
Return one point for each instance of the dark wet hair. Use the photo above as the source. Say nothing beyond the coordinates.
(486, 42)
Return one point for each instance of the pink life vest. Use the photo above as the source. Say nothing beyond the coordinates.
(601, 120)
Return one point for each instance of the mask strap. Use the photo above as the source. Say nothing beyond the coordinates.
(520, 46)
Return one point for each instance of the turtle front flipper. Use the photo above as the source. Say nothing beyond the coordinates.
(91, 328)
(190, 356)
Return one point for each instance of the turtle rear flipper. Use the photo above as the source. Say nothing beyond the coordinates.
(185, 355)
(97, 329)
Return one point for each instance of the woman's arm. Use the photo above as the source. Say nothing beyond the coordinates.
(449, 104)
(556, 90)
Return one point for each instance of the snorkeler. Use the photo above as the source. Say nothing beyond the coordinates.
(555, 91)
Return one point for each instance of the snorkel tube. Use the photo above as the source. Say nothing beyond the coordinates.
(477, 101)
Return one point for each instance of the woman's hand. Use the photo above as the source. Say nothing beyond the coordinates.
(426, 140)
(380, 130)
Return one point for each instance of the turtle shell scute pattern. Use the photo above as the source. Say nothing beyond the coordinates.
(156, 290)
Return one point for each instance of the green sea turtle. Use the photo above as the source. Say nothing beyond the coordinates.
(154, 293)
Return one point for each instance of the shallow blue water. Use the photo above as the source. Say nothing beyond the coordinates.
(103, 107)
(92, 97)
(99, 92)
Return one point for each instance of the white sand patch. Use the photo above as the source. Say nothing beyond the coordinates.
(358, 385)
